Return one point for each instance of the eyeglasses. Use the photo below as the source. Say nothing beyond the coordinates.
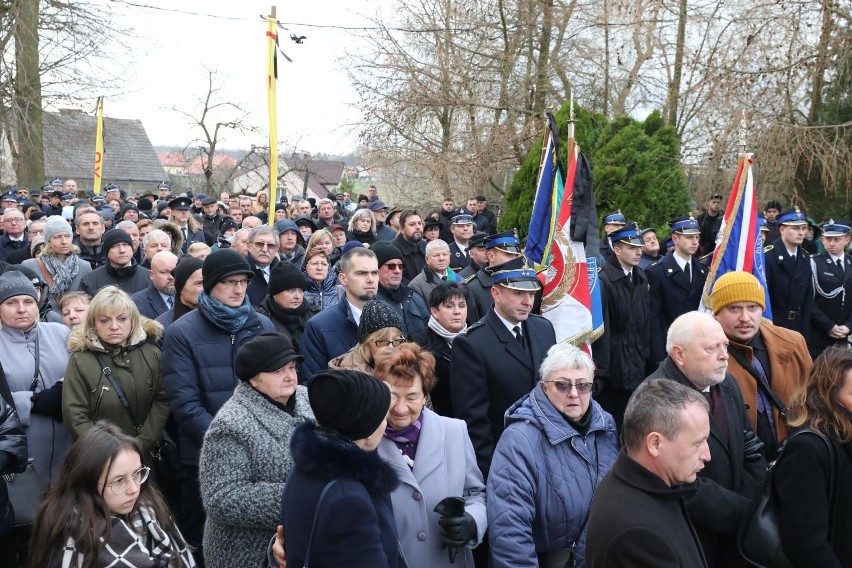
(265, 245)
(139, 477)
(395, 265)
(385, 342)
(564, 387)
(15, 220)
(318, 264)
(234, 283)
(36, 232)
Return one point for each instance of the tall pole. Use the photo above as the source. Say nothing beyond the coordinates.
(272, 102)
(99, 148)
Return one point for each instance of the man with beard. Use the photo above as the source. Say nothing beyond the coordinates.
(407, 303)
(768, 362)
(788, 274)
(334, 331)
(189, 283)
(120, 270)
(698, 358)
(410, 243)
(159, 296)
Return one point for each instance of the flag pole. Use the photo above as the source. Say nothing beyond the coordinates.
(99, 148)
(272, 104)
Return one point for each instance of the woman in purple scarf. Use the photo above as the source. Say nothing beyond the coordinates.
(434, 458)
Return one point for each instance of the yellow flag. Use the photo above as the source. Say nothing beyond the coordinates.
(271, 80)
(99, 148)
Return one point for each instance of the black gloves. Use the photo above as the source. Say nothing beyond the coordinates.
(48, 402)
(457, 531)
(752, 446)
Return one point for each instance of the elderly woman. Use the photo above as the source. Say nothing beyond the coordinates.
(320, 280)
(115, 336)
(815, 505)
(434, 459)
(34, 356)
(557, 446)
(59, 263)
(380, 328)
(362, 227)
(285, 303)
(245, 459)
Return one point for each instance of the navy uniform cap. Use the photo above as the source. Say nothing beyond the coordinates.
(9, 197)
(507, 241)
(47, 188)
(516, 275)
(164, 185)
(615, 218)
(463, 219)
(99, 199)
(792, 217)
(686, 225)
(67, 197)
(761, 222)
(180, 204)
(832, 229)
(477, 240)
(628, 234)
(56, 181)
(112, 187)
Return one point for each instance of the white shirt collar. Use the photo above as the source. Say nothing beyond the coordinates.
(680, 261)
(356, 312)
(509, 325)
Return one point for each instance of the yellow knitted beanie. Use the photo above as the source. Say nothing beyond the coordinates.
(736, 287)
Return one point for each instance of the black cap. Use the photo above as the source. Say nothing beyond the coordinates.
(115, 236)
(351, 403)
(180, 203)
(264, 353)
(208, 201)
(222, 263)
(477, 240)
(431, 222)
(306, 221)
(185, 268)
(385, 252)
(285, 276)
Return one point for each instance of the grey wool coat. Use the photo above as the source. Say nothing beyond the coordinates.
(244, 464)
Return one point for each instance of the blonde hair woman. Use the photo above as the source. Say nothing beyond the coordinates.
(380, 329)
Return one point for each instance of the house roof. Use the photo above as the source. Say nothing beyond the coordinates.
(69, 148)
(323, 175)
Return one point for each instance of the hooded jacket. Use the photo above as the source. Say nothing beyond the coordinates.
(322, 295)
(543, 477)
(88, 396)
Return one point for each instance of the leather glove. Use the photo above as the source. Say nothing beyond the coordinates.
(48, 402)
(752, 446)
(457, 531)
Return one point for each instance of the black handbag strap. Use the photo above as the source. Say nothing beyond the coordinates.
(782, 408)
(118, 391)
(314, 523)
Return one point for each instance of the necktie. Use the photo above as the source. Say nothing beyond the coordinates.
(764, 405)
(839, 263)
(170, 302)
(688, 270)
(185, 234)
(518, 335)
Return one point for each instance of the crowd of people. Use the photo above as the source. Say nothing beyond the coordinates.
(349, 384)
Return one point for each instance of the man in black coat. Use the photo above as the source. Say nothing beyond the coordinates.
(499, 248)
(709, 224)
(621, 354)
(476, 256)
(612, 222)
(490, 218)
(698, 359)
(831, 315)
(677, 282)
(410, 243)
(788, 274)
(462, 229)
(120, 269)
(639, 515)
(408, 304)
(496, 362)
(14, 235)
(159, 296)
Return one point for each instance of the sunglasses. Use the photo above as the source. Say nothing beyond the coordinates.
(564, 387)
(395, 266)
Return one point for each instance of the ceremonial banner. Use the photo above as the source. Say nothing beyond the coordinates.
(272, 104)
(99, 148)
(569, 279)
(739, 244)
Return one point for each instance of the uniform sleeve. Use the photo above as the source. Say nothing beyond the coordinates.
(469, 392)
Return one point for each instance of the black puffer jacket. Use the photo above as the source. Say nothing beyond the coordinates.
(13, 452)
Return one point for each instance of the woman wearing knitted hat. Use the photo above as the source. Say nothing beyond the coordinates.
(337, 506)
(245, 459)
(380, 329)
(59, 263)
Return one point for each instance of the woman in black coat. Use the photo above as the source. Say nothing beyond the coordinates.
(13, 459)
(814, 488)
(337, 507)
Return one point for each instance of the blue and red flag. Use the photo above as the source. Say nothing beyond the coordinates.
(739, 244)
(561, 233)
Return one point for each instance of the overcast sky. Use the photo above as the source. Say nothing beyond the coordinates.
(171, 50)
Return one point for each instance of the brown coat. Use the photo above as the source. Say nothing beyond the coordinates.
(789, 365)
(352, 361)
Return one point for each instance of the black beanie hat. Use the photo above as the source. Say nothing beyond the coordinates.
(385, 252)
(285, 276)
(377, 315)
(351, 403)
(184, 269)
(115, 236)
(264, 353)
(222, 263)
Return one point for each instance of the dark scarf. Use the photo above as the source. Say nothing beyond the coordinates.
(122, 271)
(581, 425)
(407, 438)
(230, 319)
(399, 295)
(363, 236)
(292, 319)
(289, 407)
(180, 310)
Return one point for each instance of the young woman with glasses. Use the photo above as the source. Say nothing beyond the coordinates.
(101, 511)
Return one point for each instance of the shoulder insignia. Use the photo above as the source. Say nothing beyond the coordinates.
(670, 271)
(768, 248)
(469, 278)
(709, 254)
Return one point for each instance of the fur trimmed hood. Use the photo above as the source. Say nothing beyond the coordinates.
(319, 453)
(147, 329)
(175, 233)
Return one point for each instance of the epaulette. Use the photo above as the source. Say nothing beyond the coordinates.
(768, 248)
(469, 278)
(476, 325)
(701, 259)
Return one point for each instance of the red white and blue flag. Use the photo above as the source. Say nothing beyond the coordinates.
(739, 247)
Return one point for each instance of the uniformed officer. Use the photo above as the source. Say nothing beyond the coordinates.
(499, 248)
(764, 230)
(831, 316)
(677, 282)
(621, 354)
(496, 361)
(462, 229)
(182, 217)
(611, 222)
(788, 274)
(476, 256)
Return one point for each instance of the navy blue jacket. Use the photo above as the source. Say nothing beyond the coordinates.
(355, 525)
(790, 284)
(8, 246)
(149, 302)
(198, 371)
(408, 305)
(328, 334)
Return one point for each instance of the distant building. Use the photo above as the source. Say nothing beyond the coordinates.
(321, 176)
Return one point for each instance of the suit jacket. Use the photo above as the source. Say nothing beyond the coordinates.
(672, 294)
(788, 279)
(489, 371)
(827, 312)
(258, 286)
(727, 481)
(458, 259)
(149, 302)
